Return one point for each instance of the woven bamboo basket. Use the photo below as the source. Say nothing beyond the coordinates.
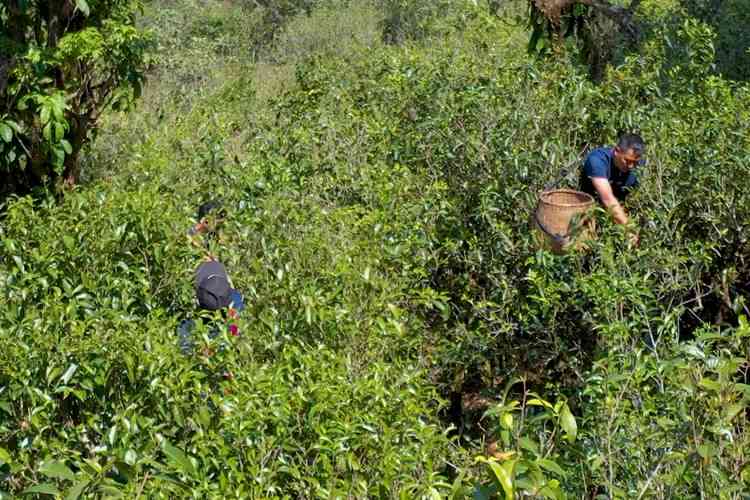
(562, 216)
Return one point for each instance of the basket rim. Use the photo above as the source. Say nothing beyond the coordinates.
(544, 194)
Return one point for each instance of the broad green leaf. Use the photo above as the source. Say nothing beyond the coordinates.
(68, 373)
(694, 351)
(57, 470)
(710, 384)
(503, 474)
(178, 458)
(43, 488)
(19, 263)
(551, 466)
(94, 465)
(108, 491)
(529, 444)
(4, 456)
(568, 423)
(539, 402)
(552, 490)
(77, 489)
(482, 492)
(457, 488)
(506, 482)
(6, 133)
(69, 242)
(507, 420)
(745, 474)
(59, 132)
(45, 114)
(83, 6)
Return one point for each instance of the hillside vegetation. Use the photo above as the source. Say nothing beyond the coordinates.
(404, 335)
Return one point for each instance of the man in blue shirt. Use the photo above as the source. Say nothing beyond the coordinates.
(608, 174)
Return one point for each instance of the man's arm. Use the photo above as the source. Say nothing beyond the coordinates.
(604, 189)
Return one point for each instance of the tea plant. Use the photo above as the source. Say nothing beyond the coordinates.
(378, 200)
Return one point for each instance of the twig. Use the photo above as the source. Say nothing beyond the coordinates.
(141, 486)
(649, 480)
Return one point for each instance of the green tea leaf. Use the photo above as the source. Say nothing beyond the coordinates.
(68, 373)
(57, 470)
(539, 402)
(178, 458)
(6, 133)
(69, 242)
(551, 466)
(503, 474)
(75, 492)
(45, 115)
(4, 456)
(552, 490)
(43, 488)
(568, 423)
(83, 6)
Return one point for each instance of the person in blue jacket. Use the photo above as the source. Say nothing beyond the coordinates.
(609, 174)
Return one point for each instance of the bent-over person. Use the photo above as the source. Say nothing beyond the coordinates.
(609, 174)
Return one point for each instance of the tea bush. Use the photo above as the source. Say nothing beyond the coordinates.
(477, 125)
(378, 226)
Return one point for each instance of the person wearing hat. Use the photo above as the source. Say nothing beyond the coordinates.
(213, 288)
(609, 174)
(214, 292)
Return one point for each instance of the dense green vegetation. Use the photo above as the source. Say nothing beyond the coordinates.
(379, 163)
(62, 65)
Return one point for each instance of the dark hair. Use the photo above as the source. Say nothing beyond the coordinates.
(208, 207)
(632, 141)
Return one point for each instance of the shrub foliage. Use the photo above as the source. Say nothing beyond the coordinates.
(62, 64)
(378, 224)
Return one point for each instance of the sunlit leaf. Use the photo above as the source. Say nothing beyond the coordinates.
(179, 459)
(68, 373)
(568, 423)
(43, 488)
(6, 133)
(551, 466)
(56, 470)
(75, 492)
(83, 6)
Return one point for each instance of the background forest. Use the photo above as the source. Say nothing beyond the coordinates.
(404, 335)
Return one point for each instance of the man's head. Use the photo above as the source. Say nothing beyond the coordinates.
(628, 152)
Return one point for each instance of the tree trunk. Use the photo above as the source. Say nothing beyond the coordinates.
(77, 139)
